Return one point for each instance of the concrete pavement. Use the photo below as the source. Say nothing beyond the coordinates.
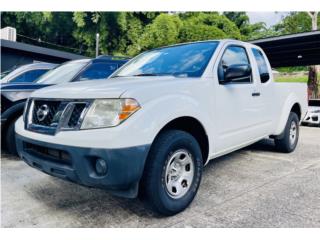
(253, 187)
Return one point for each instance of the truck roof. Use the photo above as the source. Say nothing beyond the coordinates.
(213, 40)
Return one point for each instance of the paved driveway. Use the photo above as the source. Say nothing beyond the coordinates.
(254, 187)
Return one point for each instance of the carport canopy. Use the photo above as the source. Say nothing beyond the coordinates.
(301, 49)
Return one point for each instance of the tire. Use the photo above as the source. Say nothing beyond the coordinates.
(156, 187)
(11, 138)
(287, 143)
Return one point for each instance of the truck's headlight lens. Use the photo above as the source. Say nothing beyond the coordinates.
(109, 112)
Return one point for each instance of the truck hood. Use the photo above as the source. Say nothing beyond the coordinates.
(109, 88)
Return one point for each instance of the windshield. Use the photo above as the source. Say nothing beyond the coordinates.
(3, 74)
(187, 60)
(63, 73)
(7, 75)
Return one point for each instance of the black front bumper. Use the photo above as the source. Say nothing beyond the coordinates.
(76, 164)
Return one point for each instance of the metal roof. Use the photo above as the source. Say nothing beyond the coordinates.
(28, 48)
(301, 49)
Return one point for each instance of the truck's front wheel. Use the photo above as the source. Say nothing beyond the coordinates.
(289, 139)
(11, 138)
(173, 172)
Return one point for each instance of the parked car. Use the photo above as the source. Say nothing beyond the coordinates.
(158, 120)
(26, 73)
(313, 114)
(14, 96)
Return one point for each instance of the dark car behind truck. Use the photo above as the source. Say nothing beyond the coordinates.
(14, 95)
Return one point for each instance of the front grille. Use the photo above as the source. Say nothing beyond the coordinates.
(76, 115)
(50, 116)
(49, 154)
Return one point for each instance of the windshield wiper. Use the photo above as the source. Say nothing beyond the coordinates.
(138, 75)
(147, 74)
(117, 76)
(174, 74)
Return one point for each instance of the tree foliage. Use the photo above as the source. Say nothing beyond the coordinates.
(295, 22)
(129, 33)
(247, 30)
(164, 30)
(204, 26)
(121, 33)
(42, 26)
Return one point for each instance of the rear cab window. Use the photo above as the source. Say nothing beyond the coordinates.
(262, 65)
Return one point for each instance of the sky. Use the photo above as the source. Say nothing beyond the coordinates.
(270, 18)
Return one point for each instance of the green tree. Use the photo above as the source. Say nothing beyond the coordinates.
(240, 19)
(132, 26)
(205, 26)
(247, 30)
(90, 23)
(174, 28)
(295, 22)
(54, 27)
(129, 33)
(120, 32)
(164, 30)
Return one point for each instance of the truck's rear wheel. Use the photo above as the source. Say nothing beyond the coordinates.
(289, 139)
(173, 172)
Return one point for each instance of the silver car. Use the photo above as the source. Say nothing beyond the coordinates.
(26, 73)
(313, 115)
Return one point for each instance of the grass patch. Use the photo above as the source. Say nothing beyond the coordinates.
(300, 79)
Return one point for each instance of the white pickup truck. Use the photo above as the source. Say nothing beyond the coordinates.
(152, 126)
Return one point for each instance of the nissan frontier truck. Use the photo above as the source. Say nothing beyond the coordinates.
(151, 128)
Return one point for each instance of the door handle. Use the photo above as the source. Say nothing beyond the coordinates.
(255, 94)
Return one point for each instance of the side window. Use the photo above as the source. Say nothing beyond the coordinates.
(262, 65)
(232, 56)
(98, 71)
(29, 76)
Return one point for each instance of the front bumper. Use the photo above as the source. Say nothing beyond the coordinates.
(77, 164)
(312, 118)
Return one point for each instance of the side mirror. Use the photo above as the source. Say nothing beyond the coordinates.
(236, 72)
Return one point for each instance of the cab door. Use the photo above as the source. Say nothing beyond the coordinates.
(266, 101)
(235, 102)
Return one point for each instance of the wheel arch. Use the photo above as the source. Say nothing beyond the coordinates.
(13, 112)
(292, 105)
(296, 108)
(192, 126)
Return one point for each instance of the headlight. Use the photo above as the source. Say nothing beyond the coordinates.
(109, 112)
